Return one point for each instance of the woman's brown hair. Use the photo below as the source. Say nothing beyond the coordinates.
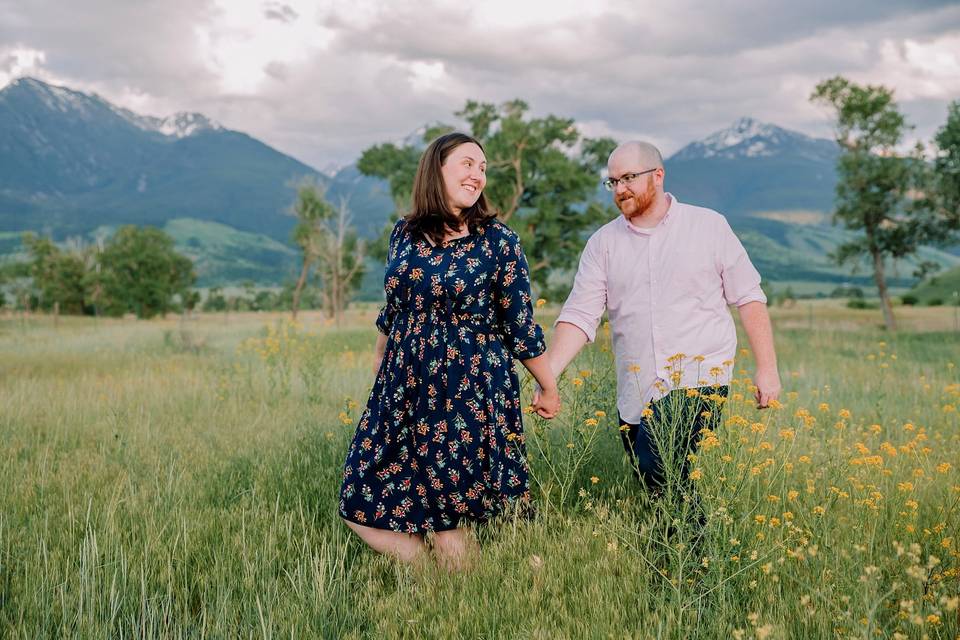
(431, 215)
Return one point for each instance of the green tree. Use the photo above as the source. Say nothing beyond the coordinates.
(946, 169)
(142, 273)
(876, 185)
(312, 210)
(215, 300)
(341, 262)
(542, 178)
(58, 276)
(329, 246)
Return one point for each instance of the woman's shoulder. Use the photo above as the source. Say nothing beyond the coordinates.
(500, 232)
(399, 229)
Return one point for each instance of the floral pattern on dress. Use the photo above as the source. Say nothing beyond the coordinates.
(441, 440)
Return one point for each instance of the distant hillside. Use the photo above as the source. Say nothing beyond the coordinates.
(71, 162)
(223, 254)
(944, 286)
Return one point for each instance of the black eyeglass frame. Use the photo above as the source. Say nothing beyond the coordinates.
(611, 183)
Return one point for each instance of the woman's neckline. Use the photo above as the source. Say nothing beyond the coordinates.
(445, 243)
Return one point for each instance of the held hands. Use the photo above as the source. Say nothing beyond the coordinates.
(767, 382)
(546, 402)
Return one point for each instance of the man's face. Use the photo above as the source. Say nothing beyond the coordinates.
(636, 197)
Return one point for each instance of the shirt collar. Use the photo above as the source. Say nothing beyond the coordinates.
(671, 207)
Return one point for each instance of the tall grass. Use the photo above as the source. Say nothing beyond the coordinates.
(155, 490)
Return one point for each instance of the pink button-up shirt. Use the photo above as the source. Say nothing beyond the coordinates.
(666, 290)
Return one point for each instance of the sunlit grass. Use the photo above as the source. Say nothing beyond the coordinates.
(180, 480)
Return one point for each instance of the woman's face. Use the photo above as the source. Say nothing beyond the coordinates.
(464, 176)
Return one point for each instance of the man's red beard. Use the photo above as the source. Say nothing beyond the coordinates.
(641, 202)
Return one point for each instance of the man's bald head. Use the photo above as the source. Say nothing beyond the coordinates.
(635, 169)
(642, 155)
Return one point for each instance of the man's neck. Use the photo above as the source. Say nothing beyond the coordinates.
(653, 215)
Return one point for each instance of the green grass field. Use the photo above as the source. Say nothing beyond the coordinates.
(169, 480)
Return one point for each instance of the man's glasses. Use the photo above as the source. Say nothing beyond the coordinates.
(627, 178)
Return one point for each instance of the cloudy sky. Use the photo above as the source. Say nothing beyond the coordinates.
(323, 79)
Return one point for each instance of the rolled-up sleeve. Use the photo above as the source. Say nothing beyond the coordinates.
(521, 335)
(741, 280)
(586, 302)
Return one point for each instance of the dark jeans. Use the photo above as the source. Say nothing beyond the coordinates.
(679, 418)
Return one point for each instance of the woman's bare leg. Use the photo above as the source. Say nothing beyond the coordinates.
(405, 547)
(456, 549)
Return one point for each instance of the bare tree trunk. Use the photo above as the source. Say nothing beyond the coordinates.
(297, 290)
(516, 163)
(881, 281)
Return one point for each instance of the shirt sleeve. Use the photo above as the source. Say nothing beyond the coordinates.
(586, 302)
(521, 335)
(389, 310)
(741, 280)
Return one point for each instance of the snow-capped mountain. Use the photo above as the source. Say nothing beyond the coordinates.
(749, 138)
(79, 105)
(71, 162)
(178, 125)
(753, 167)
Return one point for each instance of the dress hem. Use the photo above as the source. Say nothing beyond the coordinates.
(420, 530)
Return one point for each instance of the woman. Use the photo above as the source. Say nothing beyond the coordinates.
(440, 443)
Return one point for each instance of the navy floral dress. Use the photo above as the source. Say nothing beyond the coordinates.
(441, 438)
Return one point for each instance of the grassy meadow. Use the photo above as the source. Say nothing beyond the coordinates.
(163, 479)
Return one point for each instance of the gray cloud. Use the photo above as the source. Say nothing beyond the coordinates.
(279, 11)
(670, 73)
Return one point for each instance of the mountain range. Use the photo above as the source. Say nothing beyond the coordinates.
(73, 164)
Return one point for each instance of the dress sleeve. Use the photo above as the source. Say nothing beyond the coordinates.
(389, 310)
(521, 335)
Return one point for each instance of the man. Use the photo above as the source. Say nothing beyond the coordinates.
(665, 272)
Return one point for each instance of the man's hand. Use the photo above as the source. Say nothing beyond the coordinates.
(767, 382)
(546, 402)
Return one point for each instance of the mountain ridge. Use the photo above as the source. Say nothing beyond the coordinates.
(72, 163)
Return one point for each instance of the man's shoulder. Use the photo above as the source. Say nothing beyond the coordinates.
(606, 231)
(699, 214)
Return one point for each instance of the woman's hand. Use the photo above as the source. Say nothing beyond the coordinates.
(546, 402)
